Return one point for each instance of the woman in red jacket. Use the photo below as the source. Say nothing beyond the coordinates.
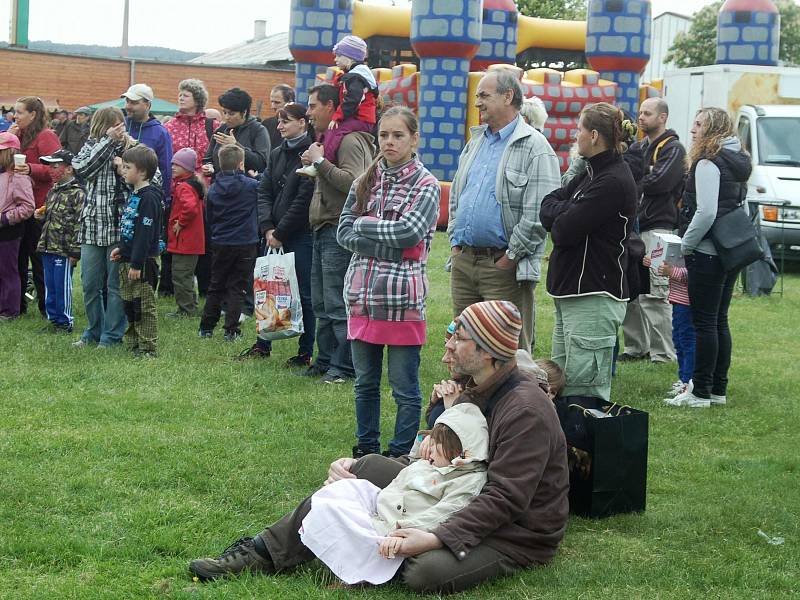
(30, 126)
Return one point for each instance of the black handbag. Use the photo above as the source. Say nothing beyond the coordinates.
(607, 456)
(736, 240)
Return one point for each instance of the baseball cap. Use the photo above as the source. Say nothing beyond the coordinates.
(84, 110)
(59, 156)
(139, 91)
(8, 140)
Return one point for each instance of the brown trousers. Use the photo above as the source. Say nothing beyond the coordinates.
(437, 571)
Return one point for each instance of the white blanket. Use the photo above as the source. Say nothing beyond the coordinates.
(339, 531)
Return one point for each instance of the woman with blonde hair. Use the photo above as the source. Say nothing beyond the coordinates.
(717, 184)
(95, 165)
(589, 221)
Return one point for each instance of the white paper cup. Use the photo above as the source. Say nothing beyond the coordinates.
(20, 159)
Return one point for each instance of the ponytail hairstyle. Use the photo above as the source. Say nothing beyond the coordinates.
(367, 180)
(39, 124)
(606, 120)
(718, 126)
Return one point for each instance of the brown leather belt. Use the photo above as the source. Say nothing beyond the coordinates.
(489, 252)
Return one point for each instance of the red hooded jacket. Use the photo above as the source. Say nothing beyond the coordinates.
(43, 144)
(187, 209)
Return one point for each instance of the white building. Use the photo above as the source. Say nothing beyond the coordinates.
(665, 27)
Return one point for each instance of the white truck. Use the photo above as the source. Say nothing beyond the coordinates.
(765, 103)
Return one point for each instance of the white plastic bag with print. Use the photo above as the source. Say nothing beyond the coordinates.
(278, 311)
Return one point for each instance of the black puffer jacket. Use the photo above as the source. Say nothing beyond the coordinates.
(283, 195)
(589, 221)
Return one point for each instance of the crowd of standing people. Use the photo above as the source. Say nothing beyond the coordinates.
(338, 183)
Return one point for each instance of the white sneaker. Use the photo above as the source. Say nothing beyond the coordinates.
(679, 388)
(689, 400)
(307, 171)
(719, 400)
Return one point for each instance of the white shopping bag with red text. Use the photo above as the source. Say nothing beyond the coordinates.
(278, 311)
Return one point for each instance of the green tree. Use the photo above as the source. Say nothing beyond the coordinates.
(698, 46)
(565, 10)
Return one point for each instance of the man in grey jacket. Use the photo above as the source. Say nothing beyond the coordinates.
(504, 171)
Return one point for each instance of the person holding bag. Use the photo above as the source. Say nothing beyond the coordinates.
(715, 188)
(388, 222)
(283, 200)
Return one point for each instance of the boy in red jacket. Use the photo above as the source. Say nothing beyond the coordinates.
(185, 230)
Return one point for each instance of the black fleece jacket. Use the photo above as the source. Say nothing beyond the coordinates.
(661, 183)
(283, 195)
(589, 221)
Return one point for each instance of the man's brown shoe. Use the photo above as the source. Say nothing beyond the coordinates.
(237, 558)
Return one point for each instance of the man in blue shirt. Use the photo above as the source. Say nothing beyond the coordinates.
(504, 171)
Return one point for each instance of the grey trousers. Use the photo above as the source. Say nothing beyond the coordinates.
(648, 321)
(436, 571)
(183, 266)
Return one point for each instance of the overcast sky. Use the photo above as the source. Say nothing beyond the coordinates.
(199, 25)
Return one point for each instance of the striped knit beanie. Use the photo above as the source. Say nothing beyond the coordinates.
(353, 47)
(495, 326)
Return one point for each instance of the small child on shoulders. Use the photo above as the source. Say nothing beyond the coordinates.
(58, 244)
(140, 245)
(358, 98)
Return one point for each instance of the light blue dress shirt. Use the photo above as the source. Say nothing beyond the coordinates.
(479, 220)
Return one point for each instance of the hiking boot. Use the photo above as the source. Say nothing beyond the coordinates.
(314, 371)
(254, 351)
(205, 333)
(301, 360)
(237, 558)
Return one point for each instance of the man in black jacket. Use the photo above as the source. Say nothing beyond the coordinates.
(648, 322)
(279, 96)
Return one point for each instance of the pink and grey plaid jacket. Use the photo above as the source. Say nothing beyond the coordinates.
(387, 278)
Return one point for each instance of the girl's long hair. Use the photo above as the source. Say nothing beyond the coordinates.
(103, 119)
(367, 180)
(718, 127)
(39, 124)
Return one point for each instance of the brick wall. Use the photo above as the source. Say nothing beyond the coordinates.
(76, 81)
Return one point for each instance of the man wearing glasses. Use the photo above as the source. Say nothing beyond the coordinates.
(504, 171)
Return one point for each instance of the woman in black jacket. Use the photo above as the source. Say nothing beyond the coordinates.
(589, 221)
(283, 200)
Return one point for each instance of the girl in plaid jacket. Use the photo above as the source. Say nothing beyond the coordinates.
(388, 222)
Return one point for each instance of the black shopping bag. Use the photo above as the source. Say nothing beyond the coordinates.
(607, 451)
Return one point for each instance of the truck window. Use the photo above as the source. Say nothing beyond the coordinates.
(779, 141)
(744, 133)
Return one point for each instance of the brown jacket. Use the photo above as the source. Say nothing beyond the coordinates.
(333, 182)
(522, 509)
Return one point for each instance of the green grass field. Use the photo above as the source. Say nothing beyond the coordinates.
(116, 472)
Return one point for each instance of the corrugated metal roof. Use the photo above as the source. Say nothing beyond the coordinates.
(271, 49)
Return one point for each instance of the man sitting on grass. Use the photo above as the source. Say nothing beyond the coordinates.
(518, 519)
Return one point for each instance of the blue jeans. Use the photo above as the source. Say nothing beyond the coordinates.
(403, 363)
(328, 267)
(302, 246)
(106, 324)
(683, 338)
(57, 289)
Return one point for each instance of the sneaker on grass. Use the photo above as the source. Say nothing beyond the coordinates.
(689, 400)
(301, 360)
(237, 558)
(254, 351)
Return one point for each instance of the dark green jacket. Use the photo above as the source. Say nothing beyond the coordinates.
(62, 220)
